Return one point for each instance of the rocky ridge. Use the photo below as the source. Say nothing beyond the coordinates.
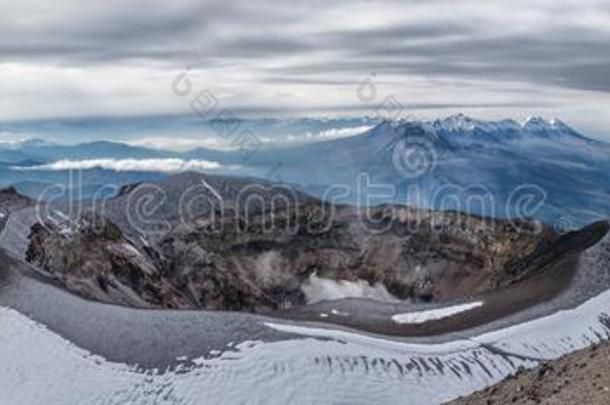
(259, 258)
(581, 377)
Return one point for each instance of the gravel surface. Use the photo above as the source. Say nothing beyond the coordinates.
(578, 378)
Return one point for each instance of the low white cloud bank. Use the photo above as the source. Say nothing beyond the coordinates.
(328, 134)
(181, 144)
(125, 165)
(434, 314)
(318, 289)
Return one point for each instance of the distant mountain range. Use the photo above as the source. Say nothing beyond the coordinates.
(538, 168)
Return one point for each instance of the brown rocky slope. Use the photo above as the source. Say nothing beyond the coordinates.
(259, 258)
(578, 378)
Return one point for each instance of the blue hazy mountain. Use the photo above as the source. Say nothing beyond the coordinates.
(198, 131)
(538, 168)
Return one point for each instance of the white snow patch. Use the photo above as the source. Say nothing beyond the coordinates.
(39, 366)
(144, 241)
(434, 314)
(42, 367)
(319, 289)
(132, 249)
(64, 223)
(338, 313)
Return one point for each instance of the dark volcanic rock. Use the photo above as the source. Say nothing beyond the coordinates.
(11, 200)
(257, 250)
(95, 260)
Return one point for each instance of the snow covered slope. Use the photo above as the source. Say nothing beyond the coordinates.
(40, 366)
(92, 353)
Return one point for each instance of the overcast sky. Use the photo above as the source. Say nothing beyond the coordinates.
(490, 59)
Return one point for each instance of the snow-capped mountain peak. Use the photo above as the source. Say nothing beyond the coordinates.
(536, 123)
(560, 125)
(462, 131)
(465, 124)
(461, 124)
(458, 122)
(458, 125)
(551, 128)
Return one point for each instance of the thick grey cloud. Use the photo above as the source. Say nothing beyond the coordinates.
(574, 58)
(111, 56)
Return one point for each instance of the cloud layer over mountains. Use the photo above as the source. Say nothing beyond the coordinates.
(498, 58)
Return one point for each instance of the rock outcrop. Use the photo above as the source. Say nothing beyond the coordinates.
(259, 256)
(96, 261)
(580, 377)
(11, 200)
